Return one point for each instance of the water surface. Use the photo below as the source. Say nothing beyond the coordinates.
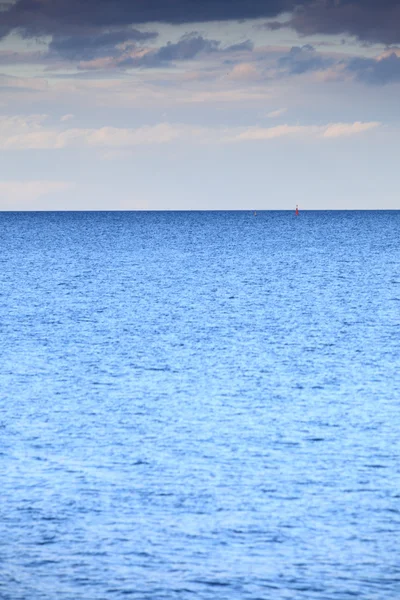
(199, 405)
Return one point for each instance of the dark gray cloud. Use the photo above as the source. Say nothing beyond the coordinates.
(188, 47)
(369, 20)
(373, 71)
(95, 45)
(192, 44)
(185, 49)
(373, 21)
(377, 72)
(35, 17)
(301, 59)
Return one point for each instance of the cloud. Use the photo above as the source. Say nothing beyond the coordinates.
(270, 133)
(243, 71)
(30, 133)
(246, 46)
(301, 59)
(375, 21)
(225, 96)
(332, 130)
(20, 124)
(380, 71)
(336, 130)
(38, 17)
(190, 46)
(369, 20)
(96, 45)
(274, 114)
(22, 195)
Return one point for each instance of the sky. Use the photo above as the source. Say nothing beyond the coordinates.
(199, 104)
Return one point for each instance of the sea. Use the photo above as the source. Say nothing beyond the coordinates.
(200, 405)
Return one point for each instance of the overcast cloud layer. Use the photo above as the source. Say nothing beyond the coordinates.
(187, 104)
(369, 20)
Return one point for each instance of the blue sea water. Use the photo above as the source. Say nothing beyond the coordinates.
(200, 406)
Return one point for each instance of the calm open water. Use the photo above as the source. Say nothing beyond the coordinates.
(200, 406)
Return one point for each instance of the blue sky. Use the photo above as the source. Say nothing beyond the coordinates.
(254, 105)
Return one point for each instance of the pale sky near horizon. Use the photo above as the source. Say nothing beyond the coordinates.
(107, 105)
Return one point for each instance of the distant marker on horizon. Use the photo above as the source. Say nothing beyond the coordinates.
(297, 210)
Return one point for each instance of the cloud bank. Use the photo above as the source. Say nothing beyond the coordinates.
(368, 20)
(18, 133)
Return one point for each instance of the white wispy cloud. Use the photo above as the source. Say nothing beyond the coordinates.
(274, 114)
(243, 71)
(344, 129)
(269, 133)
(31, 133)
